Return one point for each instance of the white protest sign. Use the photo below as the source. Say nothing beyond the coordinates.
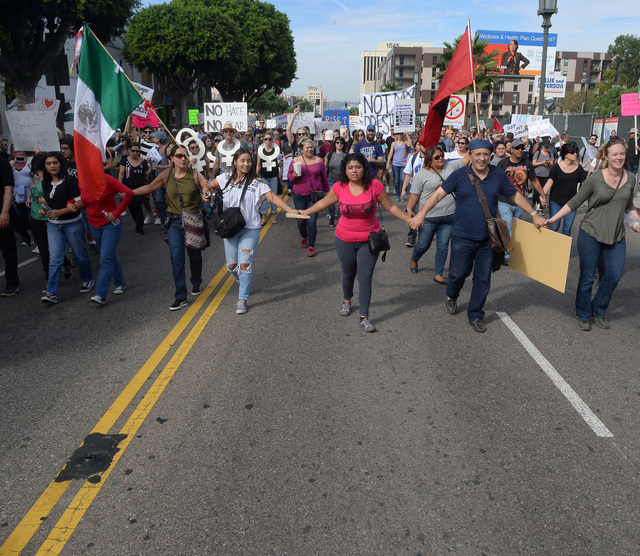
(271, 124)
(591, 151)
(519, 130)
(404, 116)
(456, 111)
(540, 128)
(50, 105)
(154, 155)
(355, 122)
(302, 119)
(282, 121)
(216, 114)
(524, 118)
(378, 108)
(147, 94)
(31, 130)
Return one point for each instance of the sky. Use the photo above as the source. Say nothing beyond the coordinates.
(330, 35)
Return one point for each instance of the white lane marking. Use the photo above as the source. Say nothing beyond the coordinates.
(24, 263)
(576, 401)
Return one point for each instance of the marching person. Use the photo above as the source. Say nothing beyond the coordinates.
(602, 233)
(470, 247)
(241, 247)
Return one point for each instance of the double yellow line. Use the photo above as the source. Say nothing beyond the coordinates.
(63, 529)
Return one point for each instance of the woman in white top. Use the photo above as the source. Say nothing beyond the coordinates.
(242, 246)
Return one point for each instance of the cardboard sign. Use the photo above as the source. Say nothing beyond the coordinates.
(147, 94)
(378, 108)
(456, 111)
(540, 254)
(151, 119)
(630, 104)
(541, 128)
(355, 122)
(404, 116)
(33, 130)
(519, 130)
(339, 117)
(216, 114)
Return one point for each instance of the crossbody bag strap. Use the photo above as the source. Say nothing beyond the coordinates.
(481, 196)
(308, 173)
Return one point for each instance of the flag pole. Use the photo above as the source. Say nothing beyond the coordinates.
(473, 70)
(143, 99)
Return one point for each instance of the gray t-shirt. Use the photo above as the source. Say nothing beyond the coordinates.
(333, 166)
(425, 184)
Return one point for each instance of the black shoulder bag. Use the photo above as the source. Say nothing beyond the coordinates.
(231, 221)
(378, 241)
(499, 237)
(316, 195)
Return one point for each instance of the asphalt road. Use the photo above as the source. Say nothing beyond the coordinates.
(289, 430)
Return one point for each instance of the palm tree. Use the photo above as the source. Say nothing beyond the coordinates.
(391, 86)
(485, 64)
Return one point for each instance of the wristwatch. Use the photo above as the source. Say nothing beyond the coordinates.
(534, 213)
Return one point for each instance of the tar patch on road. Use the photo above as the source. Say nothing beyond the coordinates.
(94, 456)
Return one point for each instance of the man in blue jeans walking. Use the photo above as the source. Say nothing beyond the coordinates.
(470, 247)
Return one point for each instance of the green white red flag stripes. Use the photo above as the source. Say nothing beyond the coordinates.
(104, 99)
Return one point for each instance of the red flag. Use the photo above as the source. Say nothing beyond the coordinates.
(459, 75)
(497, 126)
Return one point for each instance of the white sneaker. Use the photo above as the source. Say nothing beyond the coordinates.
(148, 219)
(36, 251)
(157, 222)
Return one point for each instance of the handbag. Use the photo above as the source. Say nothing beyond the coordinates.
(315, 195)
(194, 224)
(499, 237)
(378, 241)
(231, 221)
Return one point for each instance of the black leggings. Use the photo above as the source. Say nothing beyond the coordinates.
(356, 260)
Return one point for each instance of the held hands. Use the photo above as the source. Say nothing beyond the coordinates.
(416, 222)
(539, 222)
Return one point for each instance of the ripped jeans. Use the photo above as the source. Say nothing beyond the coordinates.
(241, 248)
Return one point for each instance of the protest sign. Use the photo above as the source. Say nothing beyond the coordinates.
(378, 108)
(355, 122)
(524, 118)
(519, 130)
(33, 130)
(456, 111)
(302, 119)
(404, 116)
(338, 117)
(193, 116)
(630, 104)
(147, 94)
(50, 104)
(282, 121)
(271, 124)
(216, 114)
(541, 128)
(151, 119)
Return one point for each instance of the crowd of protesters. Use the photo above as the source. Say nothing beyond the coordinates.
(348, 173)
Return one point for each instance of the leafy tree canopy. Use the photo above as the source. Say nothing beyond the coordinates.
(609, 103)
(33, 33)
(390, 86)
(625, 52)
(269, 103)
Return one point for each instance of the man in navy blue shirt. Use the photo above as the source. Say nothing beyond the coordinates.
(470, 247)
(372, 150)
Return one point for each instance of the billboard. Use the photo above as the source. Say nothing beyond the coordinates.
(520, 53)
(555, 85)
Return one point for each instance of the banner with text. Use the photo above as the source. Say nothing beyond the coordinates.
(378, 108)
(216, 114)
(554, 86)
(338, 117)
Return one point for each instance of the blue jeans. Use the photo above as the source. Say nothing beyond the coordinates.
(273, 184)
(239, 250)
(441, 227)
(107, 238)
(590, 250)
(307, 228)
(175, 237)
(567, 221)
(75, 233)
(508, 213)
(161, 204)
(467, 254)
(398, 178)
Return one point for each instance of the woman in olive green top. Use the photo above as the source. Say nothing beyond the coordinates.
(181, 182)
(609, 193)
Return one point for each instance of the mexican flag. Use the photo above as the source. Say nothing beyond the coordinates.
(104, 99)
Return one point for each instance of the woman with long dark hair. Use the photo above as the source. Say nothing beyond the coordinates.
(358, 195)
(241, 247)
(65, 225)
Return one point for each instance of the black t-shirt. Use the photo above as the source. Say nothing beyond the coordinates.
(518, 173)
(6, 175)
(59, 195)
(135, 176)
(275, 170)
(632, 154)
(565, 185)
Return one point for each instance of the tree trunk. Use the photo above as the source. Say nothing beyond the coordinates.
(184, 113)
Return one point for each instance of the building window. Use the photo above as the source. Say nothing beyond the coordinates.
(401, 60)
(529, 99)
(515, 85)
(401, 72)
(584, 75)
(584, 63)
(566, 63)
(530, 86)
(564, 73)
(515, 99)
(433, 84)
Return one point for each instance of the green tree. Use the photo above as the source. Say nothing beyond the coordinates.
(182, 43)
(304, 104)
(609, 103)
(33, 33)
(269, 58)
(573, 102)
(485, 63)
(625, 52)
(390, 86)
(269, 103)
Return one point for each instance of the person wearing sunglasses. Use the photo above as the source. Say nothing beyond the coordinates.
(562, 185)
(184, 190)
(333, 163)
(133, 173)
(461, 150)
(301, 134)
(226, 149)
(440, 221)
(270, 170)
(520, 172)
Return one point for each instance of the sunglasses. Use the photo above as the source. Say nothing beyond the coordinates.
(300, 134)
(268, 138)
(179, 155)
(135, 150)
(438, 157)
(462, 143)
(520, 148)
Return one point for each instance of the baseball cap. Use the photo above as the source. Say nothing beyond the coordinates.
(371, 127)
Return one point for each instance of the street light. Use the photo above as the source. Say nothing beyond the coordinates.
(546, 8)
(416, 79)
(584, 103)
